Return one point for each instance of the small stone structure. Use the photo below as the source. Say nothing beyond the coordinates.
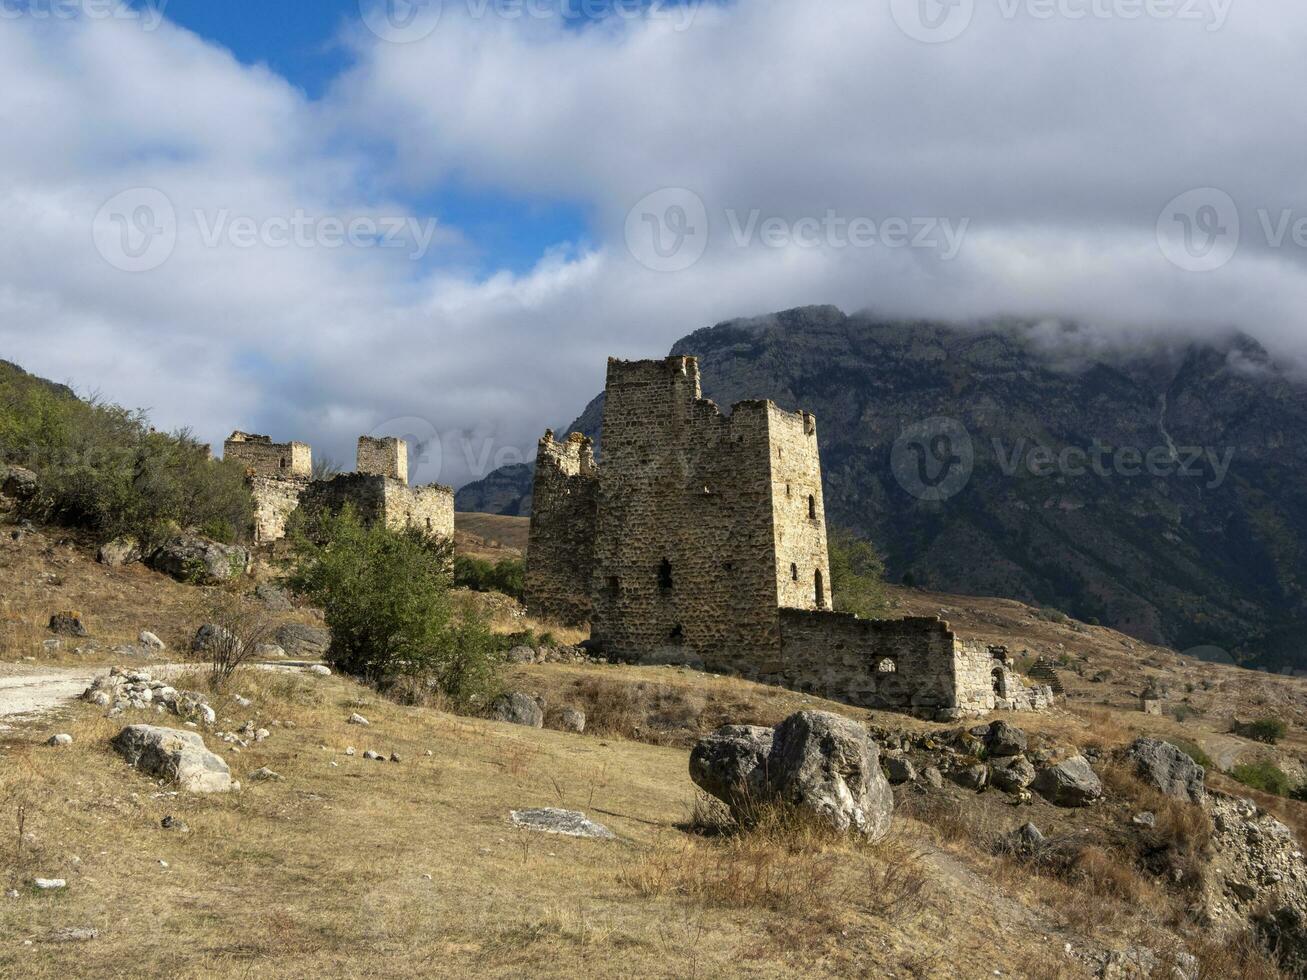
(280, 477)
(701, 539)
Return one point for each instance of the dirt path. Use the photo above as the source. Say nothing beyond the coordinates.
(24, 696)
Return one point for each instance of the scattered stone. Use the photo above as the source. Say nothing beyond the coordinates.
(264, 775)
(900, 770)
(521, 655)
(273, 597)
(349, 750)
(358, 719)
(569, 823)
(1144, 819)
(1069, 784)
(12, 893)
(175, 756)
(67, 624)
(176, 824)
(731, 764)
(269, 651)
(189, 558)
(1003, 739)
(1012, 775)
(123, 688)
(49, 884)
(51, 646)
(933, 776)
(572, 720)
(1027, 837)
(119, 552)
(319, 670)
(244, 702)
(518, 709)
(304, 642)
(74, 935)
(373, 756)
(148, 639)
(211, 636)
(19, 483)
(394, 757)
(59, 740)
(1165, 768)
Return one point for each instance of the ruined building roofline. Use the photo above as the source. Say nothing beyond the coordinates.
(252, 439)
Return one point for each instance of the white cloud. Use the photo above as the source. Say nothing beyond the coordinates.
(1059, 142)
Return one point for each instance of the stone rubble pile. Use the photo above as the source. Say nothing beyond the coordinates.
(123, 688)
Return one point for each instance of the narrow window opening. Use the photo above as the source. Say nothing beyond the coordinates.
(820, 590)
(1000, 684)
(789, 490)
(665, 576)
(678, 634)
(812, 507)
(428, 525)
(614, 586)
(794, 572)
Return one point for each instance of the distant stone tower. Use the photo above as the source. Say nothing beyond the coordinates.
(386, 457)
(560, 572)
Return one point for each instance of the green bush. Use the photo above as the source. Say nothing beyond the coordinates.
(1268, 730)
(102, 467)
(1265, 776)
(1194, 752)
(857, 575)
(508, 575)
(385, 597)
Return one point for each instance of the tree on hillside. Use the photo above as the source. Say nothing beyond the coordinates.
(857, 575)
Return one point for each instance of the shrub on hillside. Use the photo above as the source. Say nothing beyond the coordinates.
(508, 575)
(1268, 730)
(102, 467)
(385, 597)
(857, 575)
(1265, 776)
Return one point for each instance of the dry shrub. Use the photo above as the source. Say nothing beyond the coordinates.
(241, 628)
(947, 819)
(659, 714)
(1179, 844)
(1237, 957)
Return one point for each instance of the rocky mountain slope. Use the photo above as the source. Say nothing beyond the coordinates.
(1157, 489)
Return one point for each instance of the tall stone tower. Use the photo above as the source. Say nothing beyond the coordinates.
(386, 457)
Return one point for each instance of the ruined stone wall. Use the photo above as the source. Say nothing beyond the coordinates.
(273, 460)
(377, 498)
(386, 457)
(560, 549)
(798, 512)
(274, 502)
(685, 561)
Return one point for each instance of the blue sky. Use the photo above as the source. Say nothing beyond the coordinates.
(533, 194)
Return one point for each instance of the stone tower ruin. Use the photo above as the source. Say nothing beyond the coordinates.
(701, 539)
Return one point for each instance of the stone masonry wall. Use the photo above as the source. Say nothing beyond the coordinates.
(685, 558)
(377, 498)
(386, 457)
(798, 512)
(560, 570)
(273, 460)
(274, 502)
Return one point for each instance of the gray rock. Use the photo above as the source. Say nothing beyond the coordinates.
(1165, 768)
(49, 884)
(900, 770)
(270, 651)
(358, 719)
(273, 597)
(119, 552)
(1003, 739)
(569, 823)
(189, 558)
(971, 777)
(148, 639)
(174, 756)
(731, 764)
(175, 824)
(374, 756)
(1070, 784)
(1012, 775)
(304, 642)
(211, 637)
(319, 670)
(1145, 819)
(74, 935)
(519, 709)
(830, 765)
(572, 720)
(19, 483)
(265, 775)
(67, 624)
(521, 655)
(933, 776)
(1027, 838)
(59, 740)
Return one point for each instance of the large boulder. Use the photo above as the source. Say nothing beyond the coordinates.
(118, 552)
(817, 761)
(68, 624)
(304, 642)
(211, 637)
(731, 764)
(1012, 775)
(197, 560)
(178, 757)
(519, 709)
(18, 483)
(1004, 740)
(1071, 783)
(1166, 768)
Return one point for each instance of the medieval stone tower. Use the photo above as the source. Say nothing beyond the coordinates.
(704, 524)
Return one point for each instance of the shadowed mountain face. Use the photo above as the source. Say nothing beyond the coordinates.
(1160, 490)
